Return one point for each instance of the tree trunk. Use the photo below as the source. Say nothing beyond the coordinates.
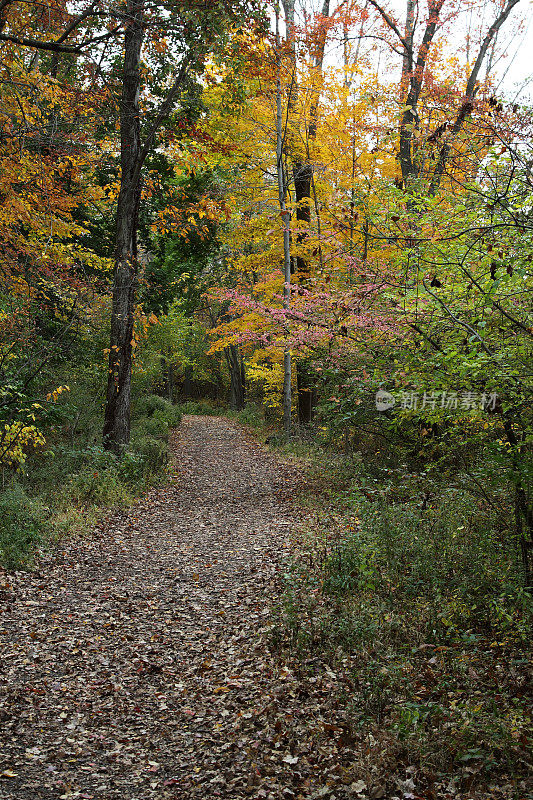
(302, 170)
(117, 412)
(523, 504)
(237, 376)
(303, 175)
(170, 378)
(187, 388)
(285, 217)
(306, 400)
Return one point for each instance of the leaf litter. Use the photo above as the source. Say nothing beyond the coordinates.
(135, 664)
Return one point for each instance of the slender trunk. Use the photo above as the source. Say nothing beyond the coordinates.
(318, 225)
(523, 504)
(117, 413)
(303, 175)
(285, 216)
(303, 168)
(170, 378)
(187, 388)
(243, 381)
(408, 38)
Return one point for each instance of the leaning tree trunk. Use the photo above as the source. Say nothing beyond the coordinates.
(117, 412)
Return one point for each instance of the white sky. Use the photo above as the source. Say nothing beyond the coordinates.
(517, 68)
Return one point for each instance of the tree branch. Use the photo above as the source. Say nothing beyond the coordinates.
(164, 109)
(466, 106)
(38, 45)
(392, 25)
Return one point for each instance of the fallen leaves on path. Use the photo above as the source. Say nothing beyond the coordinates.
(135, 664)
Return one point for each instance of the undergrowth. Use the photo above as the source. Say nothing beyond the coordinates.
(65, 488)
(421, 606)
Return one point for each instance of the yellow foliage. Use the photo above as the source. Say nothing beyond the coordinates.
(56, 392)
(13, 441)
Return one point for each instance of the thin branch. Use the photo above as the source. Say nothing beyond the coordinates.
(392, 25)
(466, 106)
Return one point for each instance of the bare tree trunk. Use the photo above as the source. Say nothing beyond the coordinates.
(237, 376)
(116, 433)
(170, 378)
(187, 388)
(285, 216)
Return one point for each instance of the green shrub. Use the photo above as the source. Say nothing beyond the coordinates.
(154, 406)
(441, 550)
(90, 478)
(132, 467)
(95, 486)
(201, 407)
(152, 451)
(252, 414)
(152, 426)
(148, 405)
(22, 526)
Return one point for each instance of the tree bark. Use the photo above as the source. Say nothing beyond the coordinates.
(133, 153)
(187, 387)
(237, 377)
(285, 217)
(116, 432)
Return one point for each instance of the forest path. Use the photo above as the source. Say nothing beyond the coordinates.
(134, 665)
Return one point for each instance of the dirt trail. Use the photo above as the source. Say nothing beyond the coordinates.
(135, 665)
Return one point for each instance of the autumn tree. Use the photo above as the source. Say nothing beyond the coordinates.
(162, 48)
(50, 188)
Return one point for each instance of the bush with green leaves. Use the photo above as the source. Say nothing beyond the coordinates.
(252, 414)
(23, 526)
(203, 408)
(435, 551)
(151, 404)
(152, 451)
(90, 478)
(131, 469)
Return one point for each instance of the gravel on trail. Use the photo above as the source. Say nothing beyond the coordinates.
(135, 663)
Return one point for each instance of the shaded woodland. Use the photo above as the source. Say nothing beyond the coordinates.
(317, 221)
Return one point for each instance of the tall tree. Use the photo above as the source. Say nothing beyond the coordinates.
(193, 32)
(285, 220)
(162, 47)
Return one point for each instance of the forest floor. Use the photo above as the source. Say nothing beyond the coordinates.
(136, 663)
